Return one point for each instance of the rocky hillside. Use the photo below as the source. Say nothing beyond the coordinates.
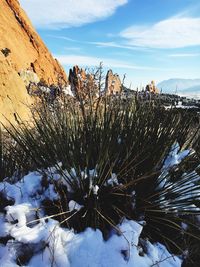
(23, 56)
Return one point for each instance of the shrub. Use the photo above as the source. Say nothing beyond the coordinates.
(7, 164)
(109, 154)
(14, 162)
(6, 51)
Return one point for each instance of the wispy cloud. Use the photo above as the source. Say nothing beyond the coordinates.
(99, 44)
(117, 45)
(63, 14)
(68, 48)
(185, 55)
(89, 61)
(61, 37)
(175, 32)
(190, 11)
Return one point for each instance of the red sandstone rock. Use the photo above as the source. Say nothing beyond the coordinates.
(22, 51)
(113, 84)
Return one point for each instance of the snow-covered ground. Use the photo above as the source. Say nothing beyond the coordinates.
(43, 242)
(28, 237)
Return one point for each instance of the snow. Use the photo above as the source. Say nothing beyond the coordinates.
(48, 244)
(113, 180)
(181, 106)
(18, 213)
(95, 189)
(31, 231)
(175, 156)
(73, 205)
(68, 91)
(45, 89)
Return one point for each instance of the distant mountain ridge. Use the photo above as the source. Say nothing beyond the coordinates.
(192, 89)
(187, 87)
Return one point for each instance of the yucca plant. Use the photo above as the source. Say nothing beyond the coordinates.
(193, 257)
(7, 162)
(12, 165)
(168, 207)
(109, 154)
(14, 162)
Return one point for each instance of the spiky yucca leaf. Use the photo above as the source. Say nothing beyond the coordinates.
(12, 158)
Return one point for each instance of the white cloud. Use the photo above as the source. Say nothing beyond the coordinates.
(185, 55)
(68, 13)
(174, 32)
(71, 60)
(70, 48)
(110, 44)
(61, 37)
(98, 43)
(116, 45)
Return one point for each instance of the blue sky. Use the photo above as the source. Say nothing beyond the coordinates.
(146, 39)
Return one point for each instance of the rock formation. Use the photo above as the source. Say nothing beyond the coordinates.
(113, 85)
(27, 50)
(152, 88)
(82, 84)
(13, 94)
(23, 56)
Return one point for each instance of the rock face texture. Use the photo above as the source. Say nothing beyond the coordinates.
(113, 85)
(27, 50)
(13, 94)
(22, 53)
(24, 58)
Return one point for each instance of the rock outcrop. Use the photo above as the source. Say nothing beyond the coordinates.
(23, 58)
(13, 94)
(27, 50)
(83, 85)
(151, 88)
(113, 85)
